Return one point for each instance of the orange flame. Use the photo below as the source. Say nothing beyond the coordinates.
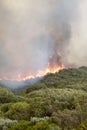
(40, 73)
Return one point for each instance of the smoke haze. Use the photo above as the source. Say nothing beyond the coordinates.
(35, 33)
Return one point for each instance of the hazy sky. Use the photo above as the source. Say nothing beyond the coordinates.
(34, 33)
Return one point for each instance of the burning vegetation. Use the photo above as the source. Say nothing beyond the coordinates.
(39, 74)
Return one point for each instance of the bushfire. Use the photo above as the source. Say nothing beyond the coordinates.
(39, 74)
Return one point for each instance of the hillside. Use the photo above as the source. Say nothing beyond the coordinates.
(57, 102)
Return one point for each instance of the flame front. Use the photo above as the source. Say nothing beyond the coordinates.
(40, 73)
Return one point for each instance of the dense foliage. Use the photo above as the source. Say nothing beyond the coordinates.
(57, 102)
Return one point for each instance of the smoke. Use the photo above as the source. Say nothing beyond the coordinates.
(35, 33)
(78, 41)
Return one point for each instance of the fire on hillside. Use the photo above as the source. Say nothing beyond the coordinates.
(39, 74)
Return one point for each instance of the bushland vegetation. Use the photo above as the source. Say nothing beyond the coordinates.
(57, 102)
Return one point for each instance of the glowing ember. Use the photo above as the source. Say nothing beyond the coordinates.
(40, 73)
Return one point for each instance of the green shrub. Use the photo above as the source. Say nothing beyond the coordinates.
(18, 111)
(82, 126)
(36, 86)
(42, 125)
(6, 95)
(5, 107)
(45, 102)
(23, 125)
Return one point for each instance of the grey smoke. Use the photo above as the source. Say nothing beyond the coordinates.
(35, 33)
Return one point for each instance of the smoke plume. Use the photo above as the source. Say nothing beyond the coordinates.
(35, 33)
